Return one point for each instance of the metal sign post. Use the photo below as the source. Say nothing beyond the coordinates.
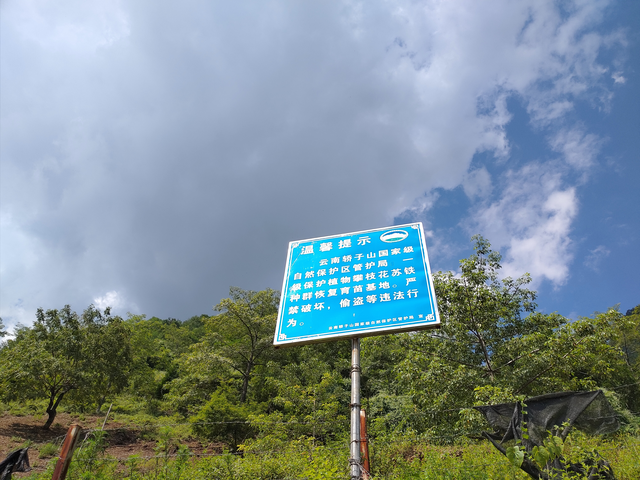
(354, 460)
(354, 285)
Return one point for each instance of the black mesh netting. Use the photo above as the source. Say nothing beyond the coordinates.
(17, 461)
(557, 413)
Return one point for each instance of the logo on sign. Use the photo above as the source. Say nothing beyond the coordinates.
(394, 236)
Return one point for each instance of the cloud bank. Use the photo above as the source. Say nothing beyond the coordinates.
(156, 154)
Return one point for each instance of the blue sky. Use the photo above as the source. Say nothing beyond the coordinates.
(603, 233)
(154, 154)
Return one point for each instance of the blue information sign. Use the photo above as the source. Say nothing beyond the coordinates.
(355, 285)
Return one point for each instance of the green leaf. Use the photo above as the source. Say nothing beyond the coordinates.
(515, 456)
(540, 455)
(554, 445)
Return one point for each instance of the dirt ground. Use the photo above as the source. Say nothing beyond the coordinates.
(123, 441)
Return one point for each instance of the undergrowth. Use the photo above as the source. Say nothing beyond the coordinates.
(273, 457)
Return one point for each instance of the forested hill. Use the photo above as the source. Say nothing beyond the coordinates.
(494, 346)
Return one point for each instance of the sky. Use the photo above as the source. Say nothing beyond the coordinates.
(153, 154)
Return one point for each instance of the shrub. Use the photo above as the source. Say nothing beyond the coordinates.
(222, 420)
(48, 450)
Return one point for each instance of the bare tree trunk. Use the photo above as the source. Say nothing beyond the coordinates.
(50, 419)
(52, 409)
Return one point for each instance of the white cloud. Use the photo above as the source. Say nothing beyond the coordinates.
(477, 183)
(531, 220)
(110, 299)
(182, 158)
(618, 78)
(16, 314)
(596, 256)
(579, 149)
(75, 26)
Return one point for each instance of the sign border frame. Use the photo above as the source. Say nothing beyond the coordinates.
(369, 333)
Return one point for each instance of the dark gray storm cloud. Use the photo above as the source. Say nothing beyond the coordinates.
(154, 153)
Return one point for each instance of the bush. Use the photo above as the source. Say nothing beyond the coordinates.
(48, 450)
(222, 420)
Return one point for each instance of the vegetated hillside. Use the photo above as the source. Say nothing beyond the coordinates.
(216, 380)
(123, 438)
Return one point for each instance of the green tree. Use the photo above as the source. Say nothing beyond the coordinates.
(3, 332)
(386, 398)
(305, 391)
(108, 348)
(64, 353)
(201, 372)
(242, 335)
(222, 419)
(158, 348)
(629, 337)
(481, 317)
(493, 346)
(579, 355)
(236, 344)
(482, 313)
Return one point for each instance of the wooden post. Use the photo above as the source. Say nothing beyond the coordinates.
(69, 445)
(105, 418)
(364, 446)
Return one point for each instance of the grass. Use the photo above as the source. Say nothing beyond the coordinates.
(275, 458)
(47, 450)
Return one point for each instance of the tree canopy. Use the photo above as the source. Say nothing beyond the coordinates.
(494, 346)
(221, 373)
(242, 334)
(65, 353)
(3, 332)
